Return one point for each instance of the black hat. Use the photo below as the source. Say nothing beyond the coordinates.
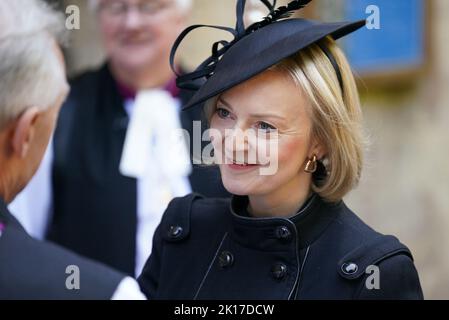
(256, 48)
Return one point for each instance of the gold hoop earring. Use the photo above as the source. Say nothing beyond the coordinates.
(311, 165)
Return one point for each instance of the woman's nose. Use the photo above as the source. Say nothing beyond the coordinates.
(240, 145)
(236, 140)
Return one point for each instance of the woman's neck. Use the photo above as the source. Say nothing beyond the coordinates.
(284, 202)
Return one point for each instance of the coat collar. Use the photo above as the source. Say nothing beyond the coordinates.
(265, 233)
(6, 218)
(3, 211)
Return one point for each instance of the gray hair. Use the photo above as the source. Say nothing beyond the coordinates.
(184, 5)
(30, 71)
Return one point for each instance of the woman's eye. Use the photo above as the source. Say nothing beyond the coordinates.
(223, 113)
(265, 126)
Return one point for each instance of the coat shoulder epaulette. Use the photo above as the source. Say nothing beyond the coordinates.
(354, 264)
(183, 211)
(175, 224)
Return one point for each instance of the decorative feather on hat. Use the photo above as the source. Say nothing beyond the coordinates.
(256, 48)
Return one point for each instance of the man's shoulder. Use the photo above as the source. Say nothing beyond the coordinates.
(42, 270)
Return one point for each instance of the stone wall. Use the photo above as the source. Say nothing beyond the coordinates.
(405, 184)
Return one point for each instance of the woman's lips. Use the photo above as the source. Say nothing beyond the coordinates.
(236, 166)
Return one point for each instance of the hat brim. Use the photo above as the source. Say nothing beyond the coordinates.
(264, 48)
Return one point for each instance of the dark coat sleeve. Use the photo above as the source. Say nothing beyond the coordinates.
(174, 227)
(398, 281)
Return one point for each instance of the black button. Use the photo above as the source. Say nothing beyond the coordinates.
(283, 233)
(226, 259)
(349, 268)
(279, 270)
(174, 232)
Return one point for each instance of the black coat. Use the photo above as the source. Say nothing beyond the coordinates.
(95, 206)
(212, 249)
(33, 269)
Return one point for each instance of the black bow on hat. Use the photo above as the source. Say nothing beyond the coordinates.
(256, 48)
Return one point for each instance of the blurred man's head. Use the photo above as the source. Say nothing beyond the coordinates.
(138, 34)
(33, 87)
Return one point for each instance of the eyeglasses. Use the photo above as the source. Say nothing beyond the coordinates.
(146, 8)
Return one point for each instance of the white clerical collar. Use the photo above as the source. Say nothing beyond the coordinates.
(154, 136)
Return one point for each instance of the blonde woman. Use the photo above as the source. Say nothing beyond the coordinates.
(285, 233)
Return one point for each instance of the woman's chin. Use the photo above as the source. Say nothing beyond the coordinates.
(239, 189)
(243, 182)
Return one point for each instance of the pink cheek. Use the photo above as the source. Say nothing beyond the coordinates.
(218, 127)
(291, 150)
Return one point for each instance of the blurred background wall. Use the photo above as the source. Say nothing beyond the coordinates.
(405, 185)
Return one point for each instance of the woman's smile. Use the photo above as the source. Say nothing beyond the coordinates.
(243, 166)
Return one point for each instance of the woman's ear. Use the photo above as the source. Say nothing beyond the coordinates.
(318, 149)
(24, 131)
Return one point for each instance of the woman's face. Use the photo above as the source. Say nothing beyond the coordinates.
(260, 130)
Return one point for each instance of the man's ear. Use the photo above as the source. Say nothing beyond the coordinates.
(24, 131)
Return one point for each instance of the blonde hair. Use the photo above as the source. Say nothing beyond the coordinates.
(335, 113)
